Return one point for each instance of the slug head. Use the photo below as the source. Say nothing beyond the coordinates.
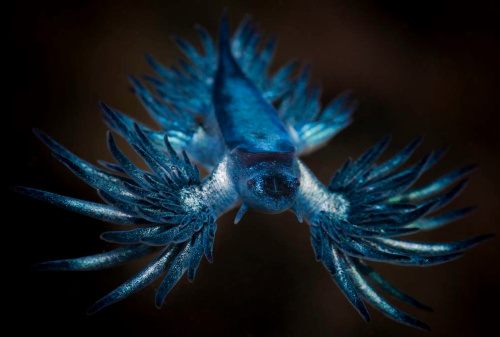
(270, 190)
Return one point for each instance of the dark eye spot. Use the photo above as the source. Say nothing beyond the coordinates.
(259, 135)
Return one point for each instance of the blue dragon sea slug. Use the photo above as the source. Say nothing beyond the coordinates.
(223, 110)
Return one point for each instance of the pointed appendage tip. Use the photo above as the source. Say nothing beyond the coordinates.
(241, 212)
(297, 212)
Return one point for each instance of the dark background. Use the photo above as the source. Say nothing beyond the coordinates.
(417, 67)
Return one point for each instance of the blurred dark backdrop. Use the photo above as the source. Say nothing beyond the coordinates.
(417, 67)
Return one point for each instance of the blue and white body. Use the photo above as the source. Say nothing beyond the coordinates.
(222, 110)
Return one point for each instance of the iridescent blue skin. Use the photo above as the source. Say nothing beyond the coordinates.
(262, 157)
(224, 110)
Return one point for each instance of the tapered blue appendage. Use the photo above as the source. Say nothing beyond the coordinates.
(169, 202)
(178, 268)
(366, 207)
(181, 95)
(91, 209)
(334, 265)
(378, 302)
(147, 275)
(99, 261)
(367, 271)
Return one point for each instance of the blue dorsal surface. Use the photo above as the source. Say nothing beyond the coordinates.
(216, 109)
(248, 123)
(262, 156)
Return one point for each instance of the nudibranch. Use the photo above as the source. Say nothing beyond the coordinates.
(222, 109)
